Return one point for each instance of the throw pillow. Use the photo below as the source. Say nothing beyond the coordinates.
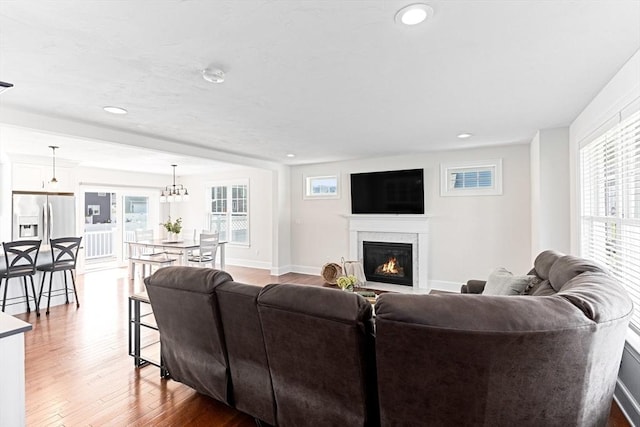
(503, 282)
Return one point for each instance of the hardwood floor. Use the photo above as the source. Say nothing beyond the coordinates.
(78, 372)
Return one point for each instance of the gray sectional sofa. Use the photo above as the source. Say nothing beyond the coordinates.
(299, 355)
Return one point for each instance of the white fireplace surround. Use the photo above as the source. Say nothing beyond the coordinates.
(412, 229)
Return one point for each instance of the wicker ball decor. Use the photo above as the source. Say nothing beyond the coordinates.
(330, 272)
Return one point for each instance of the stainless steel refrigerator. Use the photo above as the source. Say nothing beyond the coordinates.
(43, 216)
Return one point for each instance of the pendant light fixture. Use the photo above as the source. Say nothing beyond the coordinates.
(5, 86)
(173, 192)
(53, 183)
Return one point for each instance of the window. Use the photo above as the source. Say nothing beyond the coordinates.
(321, 187)
(229, 214)
(610, 204)
(479, 178)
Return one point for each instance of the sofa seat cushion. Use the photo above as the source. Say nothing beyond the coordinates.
(503, 282)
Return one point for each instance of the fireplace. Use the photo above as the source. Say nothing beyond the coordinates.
(409, 229)
(388, 262)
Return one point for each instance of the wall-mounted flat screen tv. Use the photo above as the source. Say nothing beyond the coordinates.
(389, 192)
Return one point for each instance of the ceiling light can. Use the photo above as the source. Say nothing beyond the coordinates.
(414, 14)
(114, 110)
(464, 135)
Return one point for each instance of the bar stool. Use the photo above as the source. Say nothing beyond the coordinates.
(64, 255)
(20, 261)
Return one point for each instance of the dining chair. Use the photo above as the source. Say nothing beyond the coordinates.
(143, 252)
(64, 255)
(206, 251)
(143, 236)
(20, 261)
(189, 234)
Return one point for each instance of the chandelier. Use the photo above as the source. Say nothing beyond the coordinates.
(173, 192)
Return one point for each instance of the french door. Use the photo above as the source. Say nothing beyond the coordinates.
(112, 216)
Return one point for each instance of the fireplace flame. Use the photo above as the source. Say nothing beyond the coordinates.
(390, 266)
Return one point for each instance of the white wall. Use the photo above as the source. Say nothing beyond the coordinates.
(550, 207)
(622, 91)
(469, 236)
(258, 253)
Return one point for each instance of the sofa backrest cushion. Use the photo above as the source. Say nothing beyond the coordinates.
(501, 360)
(185, 307)
(598, 296)
(567, 267)
(248, 365)
(544, 261)
(320, 347)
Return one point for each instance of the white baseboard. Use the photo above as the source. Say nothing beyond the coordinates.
(627, 403)
(263, 265)
(279, 271)
(303, 269)
(628, 381)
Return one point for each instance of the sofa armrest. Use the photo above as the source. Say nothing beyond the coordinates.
(473, 287)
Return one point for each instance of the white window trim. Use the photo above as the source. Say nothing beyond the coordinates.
(207, 202)
(307, 182)
(446, 169)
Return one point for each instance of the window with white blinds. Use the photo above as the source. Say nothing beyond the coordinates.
(476, 178)
(472, 178)
(610, 211)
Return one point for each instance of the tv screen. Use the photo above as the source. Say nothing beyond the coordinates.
(390, 192)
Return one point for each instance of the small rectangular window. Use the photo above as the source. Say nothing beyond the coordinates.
(477, 178)
(321, 187)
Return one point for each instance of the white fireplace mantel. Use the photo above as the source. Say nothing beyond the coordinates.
(413, 229)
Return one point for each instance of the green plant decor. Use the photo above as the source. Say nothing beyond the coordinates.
(346, 282)
(173, 227)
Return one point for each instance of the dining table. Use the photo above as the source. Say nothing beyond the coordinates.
(182, 248)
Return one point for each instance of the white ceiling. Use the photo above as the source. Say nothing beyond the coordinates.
(325, 79)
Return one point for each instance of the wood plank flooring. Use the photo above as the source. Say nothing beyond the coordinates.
(78, 372)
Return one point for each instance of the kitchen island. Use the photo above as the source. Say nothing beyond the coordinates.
(12, 395)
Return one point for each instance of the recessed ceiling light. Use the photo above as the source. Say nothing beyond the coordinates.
(464, 135)
(114, 110)
(414, 14)
(213, 75)
(291, 155)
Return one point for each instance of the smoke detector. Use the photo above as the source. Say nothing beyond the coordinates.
(213, 75)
